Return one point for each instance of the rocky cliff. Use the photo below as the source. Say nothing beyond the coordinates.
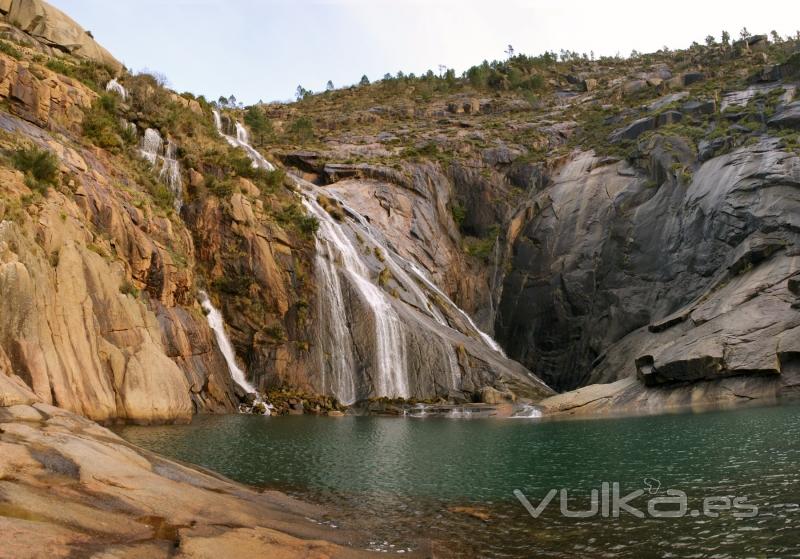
(630, 224)
(122, 201)
(622, 223)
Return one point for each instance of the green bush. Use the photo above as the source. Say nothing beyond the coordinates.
(103, 126)
(233, 285)
(10, 50)
(302, 129)
(221, 188)
(88, 72)
(40, 167)
(459, 213)
(293, 215)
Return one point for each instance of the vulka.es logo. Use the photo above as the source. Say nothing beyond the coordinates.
(608, 502)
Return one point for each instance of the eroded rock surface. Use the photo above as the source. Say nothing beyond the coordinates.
(70, 488)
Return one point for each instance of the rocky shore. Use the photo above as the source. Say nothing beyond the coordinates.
(71, 488)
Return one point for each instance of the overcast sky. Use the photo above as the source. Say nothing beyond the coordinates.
(264, 49)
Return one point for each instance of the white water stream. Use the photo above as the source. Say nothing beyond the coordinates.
(341, 264)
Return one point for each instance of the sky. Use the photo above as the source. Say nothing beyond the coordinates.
(263, 49)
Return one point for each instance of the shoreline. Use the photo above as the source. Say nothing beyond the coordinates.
(69, 487)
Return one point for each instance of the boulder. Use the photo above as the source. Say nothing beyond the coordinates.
(787, 116)
(668, 117)
(634, 129)
(56, 29)
(697, 108)
(693, 77)
(633, 86)
(493, 396)
(589, 84)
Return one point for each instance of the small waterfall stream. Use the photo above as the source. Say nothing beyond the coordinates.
(217, 325)
(346, 263)
(153, 149)
(115, 87)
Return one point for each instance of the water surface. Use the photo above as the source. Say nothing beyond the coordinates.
(429, 484)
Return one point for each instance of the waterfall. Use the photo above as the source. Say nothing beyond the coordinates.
(152, 144)
(487, 339)
(116, 87)
(217, 325)
(154, 150)
(527, 411)
(335, 350)
(241, 141)
(343, 264)
(390, 345)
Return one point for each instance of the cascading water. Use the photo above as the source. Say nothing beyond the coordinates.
(527, 411)
(241, 141)
(487, 339)
(390, 354)
(153, 149)
(116, 87)
(343, 269)
(217, 325)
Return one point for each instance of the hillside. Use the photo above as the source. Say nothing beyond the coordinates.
(548, 234)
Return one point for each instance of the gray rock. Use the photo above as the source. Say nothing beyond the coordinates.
(633, 130)
(693, 77)
(697, 108)
(613, 278)
(787, 116)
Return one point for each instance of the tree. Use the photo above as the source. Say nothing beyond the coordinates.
(726, 38)
(744, 34)
(510, 51)
(387, 76)
(329, 86)
(364, 80)
(710, 41)
(442, 70)
(301, 93)
(258, 122)
(775, 37)
(223, 102)
(232, 100)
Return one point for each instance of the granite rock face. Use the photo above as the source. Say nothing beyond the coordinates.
(70, 488)
(679, 282)
(56, 29)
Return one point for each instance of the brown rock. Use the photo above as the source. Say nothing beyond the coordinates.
(53, 27)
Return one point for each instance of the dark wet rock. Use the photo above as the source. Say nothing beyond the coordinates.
(668, 117)
(787, 116)
(693, 77)
(634, 129)
(698, 108)
(708, 148)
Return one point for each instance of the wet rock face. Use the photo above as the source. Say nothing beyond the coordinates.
(682, 281)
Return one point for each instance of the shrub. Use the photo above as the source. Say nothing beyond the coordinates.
(127, 288)
(88, 72)
(10, 50)
(459, 213)
(221, 188)
(103, 126)
(40, 167)
(293, 215)
(302, 129)
(233, 285)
